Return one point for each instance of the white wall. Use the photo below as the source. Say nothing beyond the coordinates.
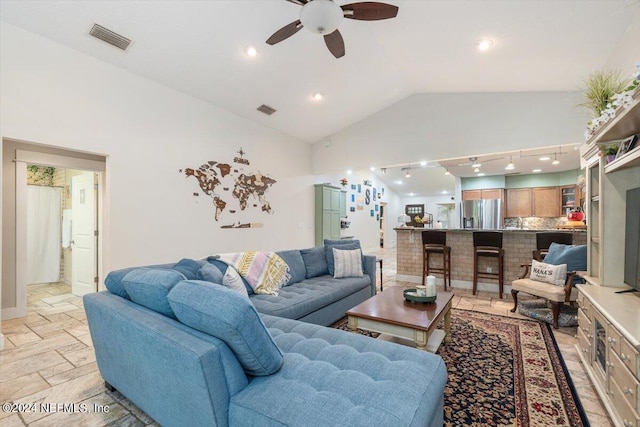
(54, 95)
(626, 54)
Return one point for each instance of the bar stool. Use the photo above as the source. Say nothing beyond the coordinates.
(546, 238)
(435, 242)
(488, 244)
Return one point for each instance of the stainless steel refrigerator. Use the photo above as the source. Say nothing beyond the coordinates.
(482, 214)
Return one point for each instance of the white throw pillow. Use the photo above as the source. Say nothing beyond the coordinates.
(554, 274)
(348, 263)
(233, 281)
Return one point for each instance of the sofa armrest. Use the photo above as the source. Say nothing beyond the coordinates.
(369, 267)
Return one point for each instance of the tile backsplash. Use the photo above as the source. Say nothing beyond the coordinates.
(536, 223)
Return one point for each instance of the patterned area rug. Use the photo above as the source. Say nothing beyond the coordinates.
(540, 309)
(504, 372)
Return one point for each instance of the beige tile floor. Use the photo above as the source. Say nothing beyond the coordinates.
(48, 359)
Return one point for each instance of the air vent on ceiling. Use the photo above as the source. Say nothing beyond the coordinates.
(266, 109)
(106, 35)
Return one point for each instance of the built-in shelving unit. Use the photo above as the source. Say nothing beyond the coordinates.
(609, 323)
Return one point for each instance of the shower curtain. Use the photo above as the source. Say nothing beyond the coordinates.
(43, 234)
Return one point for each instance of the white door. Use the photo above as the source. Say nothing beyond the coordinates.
(83, 234)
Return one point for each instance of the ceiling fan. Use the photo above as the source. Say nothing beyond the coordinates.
(324, 17)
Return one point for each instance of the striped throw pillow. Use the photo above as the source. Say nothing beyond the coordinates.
(348, 263)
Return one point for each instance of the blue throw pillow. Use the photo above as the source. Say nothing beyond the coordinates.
(227, 315)
(296, 265)
(150, 287)
(188, 267)
(575, 256)
(210, 273)
(329, 253)
(315, 261)
(223, 269)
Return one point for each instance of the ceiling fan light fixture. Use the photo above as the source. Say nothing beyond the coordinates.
(446, 172)
(545, 158)
(477, 169)
(510, 166)
(321, 16)
(481, 174)
(555, 161)
(476, 164)
(317, 96)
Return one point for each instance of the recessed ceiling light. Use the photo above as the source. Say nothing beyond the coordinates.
(399, 182)
(251, 51)
(412, 194)
(481, 174)
(423, 163)
(445, 192)
(372, 168)
(317, 96)
(545, 158)
(536, 170)
(349, 172)
(485, 44)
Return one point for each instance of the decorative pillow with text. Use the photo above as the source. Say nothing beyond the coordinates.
(554, 274)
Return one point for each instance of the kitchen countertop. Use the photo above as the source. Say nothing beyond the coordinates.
(507, 230)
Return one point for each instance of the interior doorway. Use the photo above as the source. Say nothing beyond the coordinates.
(62, 229)
(17, 156)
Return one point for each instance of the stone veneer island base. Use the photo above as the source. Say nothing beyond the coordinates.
(518, 246)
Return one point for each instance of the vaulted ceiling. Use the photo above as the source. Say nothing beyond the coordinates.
(198, 47)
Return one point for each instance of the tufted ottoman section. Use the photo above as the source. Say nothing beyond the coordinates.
(336, 378)
(297, 300)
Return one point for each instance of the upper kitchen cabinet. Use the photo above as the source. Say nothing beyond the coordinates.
(518, 202)
(546, 202)
(484, 194)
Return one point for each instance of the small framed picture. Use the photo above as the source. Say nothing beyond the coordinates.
(626, 145)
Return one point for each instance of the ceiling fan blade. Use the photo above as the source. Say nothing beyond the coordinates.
(369, 11)
(299, 2)
(335, 43)
(285, 32)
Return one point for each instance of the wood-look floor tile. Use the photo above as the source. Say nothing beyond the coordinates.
(18, 368)
(22, 386)
(89, 418)
(33, 349)
(127, 421)
(81, 357)
(57, 309)
(75, 346)
(80, 329)
(21, 320)
(22, 339)
(12, 421)
(78, 314)
(53, 328)
(56, 299)
(75, 390)
(55, 370)
(73, 373)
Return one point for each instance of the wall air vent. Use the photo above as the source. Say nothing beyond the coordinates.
(266, 109)
(106, 35)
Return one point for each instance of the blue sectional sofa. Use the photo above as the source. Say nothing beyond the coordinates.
(213, 360)
(191, 352)
(311, 295)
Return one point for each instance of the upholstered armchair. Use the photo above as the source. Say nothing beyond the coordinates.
(560, 291)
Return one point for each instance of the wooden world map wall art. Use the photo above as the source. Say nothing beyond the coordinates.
(229, 185)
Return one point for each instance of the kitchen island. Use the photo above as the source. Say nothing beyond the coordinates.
(518, 245)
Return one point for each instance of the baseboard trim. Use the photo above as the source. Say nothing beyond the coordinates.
(1, 342)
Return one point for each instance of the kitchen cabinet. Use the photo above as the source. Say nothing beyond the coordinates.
(472, 195)
(485, 194)
(330, 205)
(546, 202)
(569, 198)
(518, 202)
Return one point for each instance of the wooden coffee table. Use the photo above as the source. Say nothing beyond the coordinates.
(390, 314)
